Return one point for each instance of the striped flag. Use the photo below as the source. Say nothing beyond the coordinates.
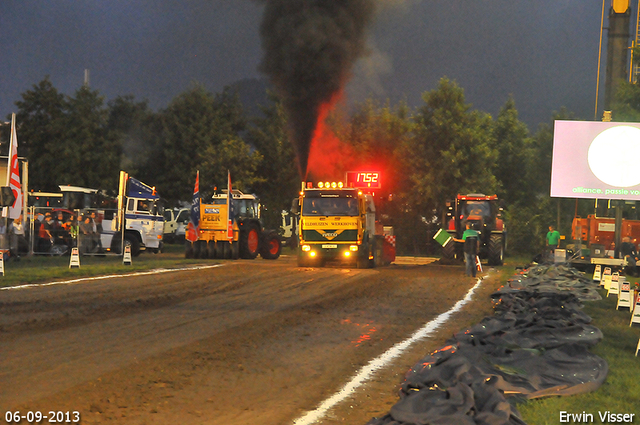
(13, 174)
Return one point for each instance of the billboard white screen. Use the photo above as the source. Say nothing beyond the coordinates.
(593, 159)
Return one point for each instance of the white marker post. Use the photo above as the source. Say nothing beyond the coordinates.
(614, 287)
(635, 315)
(74, 262)
(606, 278)
(597, 273)
(624, 299)
(126, 258)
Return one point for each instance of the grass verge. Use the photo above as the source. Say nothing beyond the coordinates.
(619, 393)
(39, 268)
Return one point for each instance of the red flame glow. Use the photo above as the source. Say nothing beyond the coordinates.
(329, 157)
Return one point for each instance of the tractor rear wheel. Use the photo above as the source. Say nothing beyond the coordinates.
(220, 249)
(449, 251)
(211, 249)
(188, 249)
(271, 246)
(250, 242)
(197, 249)
(496, 250)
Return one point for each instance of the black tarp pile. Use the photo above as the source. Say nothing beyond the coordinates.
(535, 345)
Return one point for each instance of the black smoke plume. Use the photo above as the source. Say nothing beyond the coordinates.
(309, 49)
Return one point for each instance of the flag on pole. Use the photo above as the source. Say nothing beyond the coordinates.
(194, 222)
(229, 206)
(13, 174)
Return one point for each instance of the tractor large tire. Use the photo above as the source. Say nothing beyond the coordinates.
(188, 249)
(197, 249)
(220, 249)
(271, 246)
(496, 250)
(250, 242)
(211, 249)
(449, 251)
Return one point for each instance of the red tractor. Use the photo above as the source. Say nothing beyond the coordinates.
(485, 215)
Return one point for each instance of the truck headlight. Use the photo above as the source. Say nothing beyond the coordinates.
(353, 248)
(306, 248)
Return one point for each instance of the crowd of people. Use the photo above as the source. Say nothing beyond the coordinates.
(61, 229)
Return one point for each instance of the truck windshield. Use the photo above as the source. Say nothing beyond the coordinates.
(330, 206)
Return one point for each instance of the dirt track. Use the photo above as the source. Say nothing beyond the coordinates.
(249, 342)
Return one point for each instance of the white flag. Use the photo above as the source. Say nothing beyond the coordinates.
(13, 173)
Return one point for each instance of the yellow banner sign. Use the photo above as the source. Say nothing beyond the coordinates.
(343, 223)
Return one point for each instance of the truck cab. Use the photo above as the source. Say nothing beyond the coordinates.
(337, 223)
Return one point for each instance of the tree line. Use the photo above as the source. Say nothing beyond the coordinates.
(426, 154)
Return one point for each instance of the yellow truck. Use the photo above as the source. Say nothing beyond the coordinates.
(249, 236)
(338, 223)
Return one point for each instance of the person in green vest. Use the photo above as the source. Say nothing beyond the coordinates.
(553, 238)
(471, 240)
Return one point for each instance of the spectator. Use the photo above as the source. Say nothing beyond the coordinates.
(19, 244)
(86, 235)
(553, 238)
(611, 252)
(96, 231)
(45, 239)
(628, 252)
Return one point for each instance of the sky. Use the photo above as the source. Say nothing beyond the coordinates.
(543, 53)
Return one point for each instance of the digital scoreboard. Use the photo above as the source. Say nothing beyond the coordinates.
(363, 179)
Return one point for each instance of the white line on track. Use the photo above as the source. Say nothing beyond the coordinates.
(366, 371)
(110, 276)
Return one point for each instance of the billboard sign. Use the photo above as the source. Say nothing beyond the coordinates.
(596, 160)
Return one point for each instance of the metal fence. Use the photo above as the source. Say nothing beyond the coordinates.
(54, 231)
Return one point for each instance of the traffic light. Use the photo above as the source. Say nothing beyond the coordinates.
(7, 197)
